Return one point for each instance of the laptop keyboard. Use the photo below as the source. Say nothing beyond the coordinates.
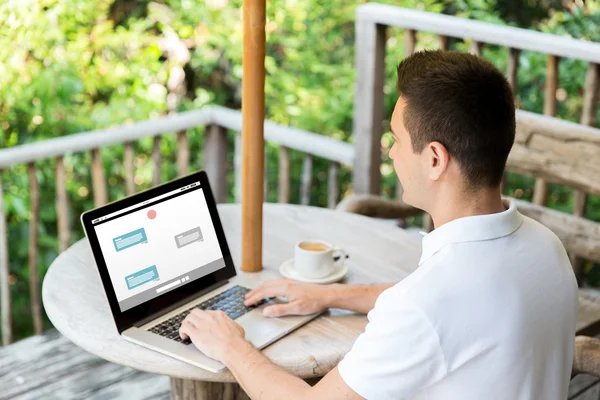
(230, 301)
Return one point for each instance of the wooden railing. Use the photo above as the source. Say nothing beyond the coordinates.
(217, 121)
(372, 21)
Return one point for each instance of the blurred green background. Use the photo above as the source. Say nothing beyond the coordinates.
(68, 66)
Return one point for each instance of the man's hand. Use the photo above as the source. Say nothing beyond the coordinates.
(303, 298)
(213, 332)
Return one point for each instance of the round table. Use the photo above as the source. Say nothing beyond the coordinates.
(379, 252)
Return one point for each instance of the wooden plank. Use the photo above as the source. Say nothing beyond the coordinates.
(283, 187)
(253, 110)
(505, 36)
(306, 183)
(368, 106)
(5, 300)
(333, 188)
(581, 387)
(51, 366)
(34, 220)
(156, 160)
(588, 117)
(128, 158)
(297, 139)
(62, 206)
(540, 192)
(476, 47)
(183, 153)
(579, 235)
(443, 42)
(215, 161)
(98, 179)
(556, 150)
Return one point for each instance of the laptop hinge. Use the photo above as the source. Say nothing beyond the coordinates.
(179, 303)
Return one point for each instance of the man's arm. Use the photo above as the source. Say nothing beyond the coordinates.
(216, 335)
(359, 298)
(248, 365)
(310, 298)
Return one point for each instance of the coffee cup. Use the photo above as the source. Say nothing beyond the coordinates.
(314, 258)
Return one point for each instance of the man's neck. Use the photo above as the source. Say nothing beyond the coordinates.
(459, 205)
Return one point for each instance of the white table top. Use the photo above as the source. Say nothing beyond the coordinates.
(379, 252)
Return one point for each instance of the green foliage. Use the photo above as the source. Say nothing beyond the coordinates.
(70, 66)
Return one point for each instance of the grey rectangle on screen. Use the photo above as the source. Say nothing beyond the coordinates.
(187, 237)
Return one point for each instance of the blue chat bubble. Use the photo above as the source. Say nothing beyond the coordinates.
(139, 278)
(130, 239)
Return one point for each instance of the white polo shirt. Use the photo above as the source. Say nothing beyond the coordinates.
(489, 314)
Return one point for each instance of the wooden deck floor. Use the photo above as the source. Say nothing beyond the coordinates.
(51, 367)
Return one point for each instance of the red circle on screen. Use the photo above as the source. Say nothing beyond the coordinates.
(151, 214)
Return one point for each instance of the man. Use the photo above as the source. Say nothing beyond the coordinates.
(489, 313)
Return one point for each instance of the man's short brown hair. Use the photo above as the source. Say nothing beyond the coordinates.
(464, 102)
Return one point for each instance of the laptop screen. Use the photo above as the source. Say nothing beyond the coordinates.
(159, 245)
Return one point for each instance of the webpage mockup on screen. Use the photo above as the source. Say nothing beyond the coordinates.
(159, 245)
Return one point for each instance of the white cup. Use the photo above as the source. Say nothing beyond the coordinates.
(314, 258)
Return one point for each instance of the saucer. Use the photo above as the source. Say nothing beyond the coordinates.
(287, 269)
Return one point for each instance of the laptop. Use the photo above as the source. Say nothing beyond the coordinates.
(162, 252)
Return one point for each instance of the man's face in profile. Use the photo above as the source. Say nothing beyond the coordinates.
(407, 164)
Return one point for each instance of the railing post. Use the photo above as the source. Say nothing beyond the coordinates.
(306, 180)
(62, 206)
(368, 105)
(284, 175)
(588, 117)
(4, 272)
(215, 161)
(333, 189)
(98, 179)
(129, 168)
(34, 282)
(183, 154)
(540, 192)
(156, 160)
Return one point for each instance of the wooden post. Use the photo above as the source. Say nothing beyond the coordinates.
(511, 76)
(368, 106)
(62, 206)
(540, 193)
(5, 301)
(443, 42)
(98, 179)
(410, 40)
(253, 114)
(156, 160)
(476, 48)
(183, 154)
(333, 189)
(588, 117)
(306, 180)
(513, 65)
(283, 194)
(215, 161)
(129, 169)
(34, 282)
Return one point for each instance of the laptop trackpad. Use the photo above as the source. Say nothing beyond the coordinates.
(261, 330)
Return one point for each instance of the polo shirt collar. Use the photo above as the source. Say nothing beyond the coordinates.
(472, 229)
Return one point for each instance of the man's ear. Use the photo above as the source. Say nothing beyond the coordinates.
(438, 160)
